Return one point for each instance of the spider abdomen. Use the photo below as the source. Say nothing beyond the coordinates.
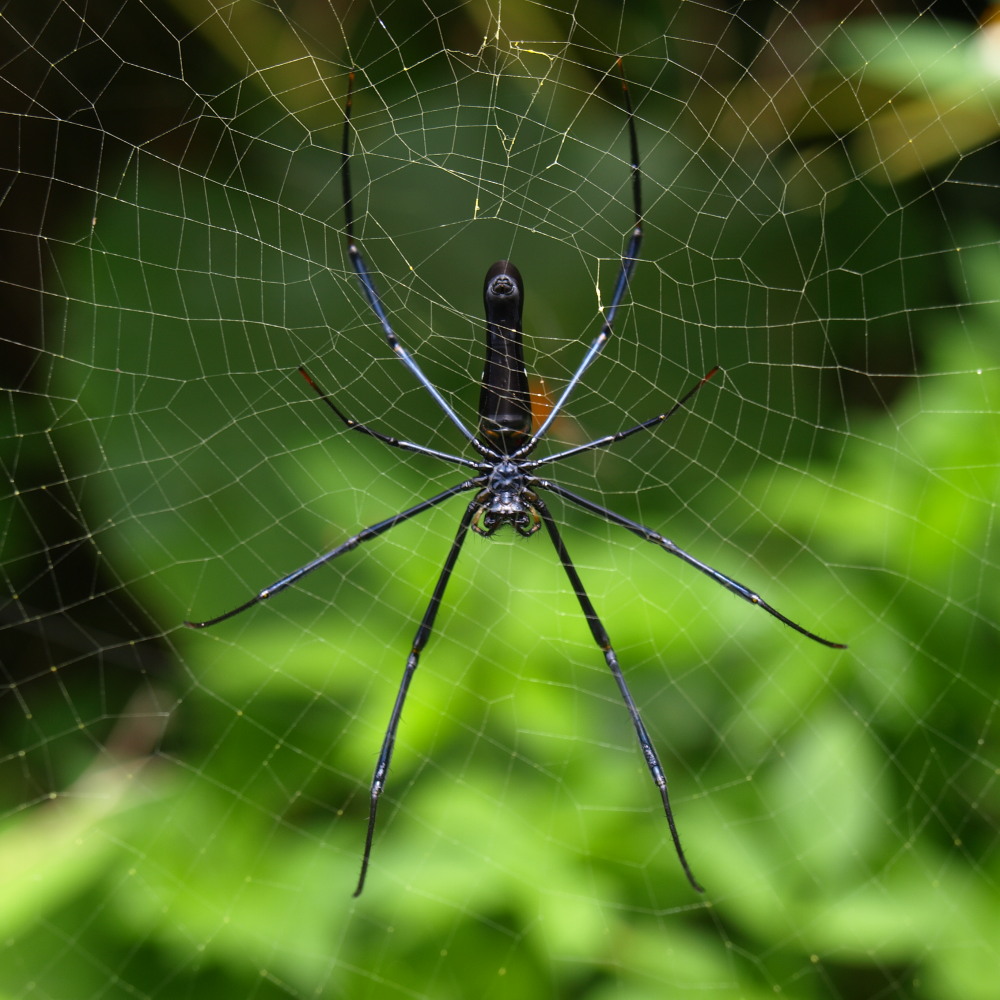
(504, 402)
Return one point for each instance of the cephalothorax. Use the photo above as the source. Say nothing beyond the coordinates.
(507, 490)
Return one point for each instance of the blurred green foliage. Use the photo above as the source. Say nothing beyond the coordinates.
(840, 808)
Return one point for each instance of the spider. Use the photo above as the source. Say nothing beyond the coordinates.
(505, 483)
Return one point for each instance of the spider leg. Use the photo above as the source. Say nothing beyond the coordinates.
(366, 534)
(612, 438)
(419, 641)
(648, 535)
(353, 425)
(629, 258)
(604, 644)
(368, 285)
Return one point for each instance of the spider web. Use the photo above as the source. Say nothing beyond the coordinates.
(183, 813)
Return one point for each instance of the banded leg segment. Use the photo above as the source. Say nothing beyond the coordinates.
(600, 635)
(628, 432)
(353, 425)
(419, 641)
(629, 257)
(365, 535)
(648, 535)
(371, 292)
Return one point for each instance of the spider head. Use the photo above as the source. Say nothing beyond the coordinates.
(501, 509)
(506, 500)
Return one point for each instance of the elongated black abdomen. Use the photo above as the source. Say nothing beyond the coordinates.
(504, 403)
